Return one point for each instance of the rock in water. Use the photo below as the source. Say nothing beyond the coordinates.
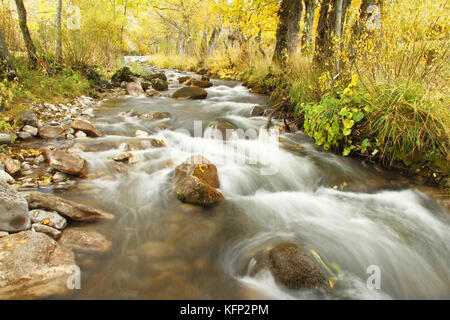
(5, 138)
(183, 79)
(69, 209)
(5, 177)
(11, 166)
(134, 89)
(160, 85)
(29, 118)
(122, 75)
(66, 162)
(86, 127)
(13, 210)
(220, 128)
(292, 266)
(190, 93)
(33, 266)
(84, 240)
(196, 181)
(51, 232)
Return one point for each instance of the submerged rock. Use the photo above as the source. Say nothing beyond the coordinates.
(69, 209)
(190, 93)
(13, 210)
(196, 181)
(292, 266)
(84, 240)
(65, 162)
(221, 128)
(33, 266)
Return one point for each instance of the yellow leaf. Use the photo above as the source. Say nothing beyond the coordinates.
(46, 221)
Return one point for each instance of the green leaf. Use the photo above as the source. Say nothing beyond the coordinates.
(346, 151)
(348, 123)
(347, 131)
(364, 145)
(358, 116)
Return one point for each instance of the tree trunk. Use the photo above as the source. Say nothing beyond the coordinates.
(59, 30)
(310, 7)
(6, 57)
(212, 42)
(288, 29)
(31, 49)
(323, 44)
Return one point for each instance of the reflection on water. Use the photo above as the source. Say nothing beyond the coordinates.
(164, 249)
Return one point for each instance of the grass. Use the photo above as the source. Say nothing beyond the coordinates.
(37, 86)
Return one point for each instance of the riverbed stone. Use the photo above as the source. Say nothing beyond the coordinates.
(13, 210)
(160, 85)
(196, 181)
(134, 89)
(31, 130)
(85, 241)
(65, 162)
(223, 127)
(51, 232)
(190, 93)
(51, 132)
(48, 218)
(11, 166)
(5, 138)
(86, 127)
(292, 266)
(33, 266)
(66, 208)
(5, 177)
(29, 118)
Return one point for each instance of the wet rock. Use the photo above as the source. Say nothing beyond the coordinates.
(155, 115)
(5, 177)
(203, 71)
(80, 135)
(221, 128)
(5, 138)
(160, 85)
(59, 177)
(33, 131)
(160, 75)
(3, 234)
(183, 79)
(66, 208)
(13, 210)
(51, 232)
(292, 266)
(152, 93)
(141, 133)
(196, 181)
(29, 118)
(11, 166)
(33, 266)
(199, 83)
(146, 85)
(65, 162)
(143, 144)
(134, 89)
(125, 157)
(190, 93)
(86, 127)
(122, 75)
(51, 219)
(51, 132)
(86, 241)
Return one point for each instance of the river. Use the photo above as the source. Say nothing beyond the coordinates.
(164, 249)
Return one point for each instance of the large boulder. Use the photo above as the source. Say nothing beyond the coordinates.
(134, 89)
(51, 132)
(86, 127)
(196, 181)
(34, 266)
(160, 75)
(292, 266)
(13, 210)
(160, 85)
(83, 240)
(65, 162)
(66, 208)
(190, 93)
(29, 118)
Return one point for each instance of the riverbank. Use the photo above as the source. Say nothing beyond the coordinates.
(398, 126)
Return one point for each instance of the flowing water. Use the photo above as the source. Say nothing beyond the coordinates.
(164, 249)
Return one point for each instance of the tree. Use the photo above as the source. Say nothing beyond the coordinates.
(31, 49)
(59, 31)
(288, 29)
(310, 7)
(6, 57)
